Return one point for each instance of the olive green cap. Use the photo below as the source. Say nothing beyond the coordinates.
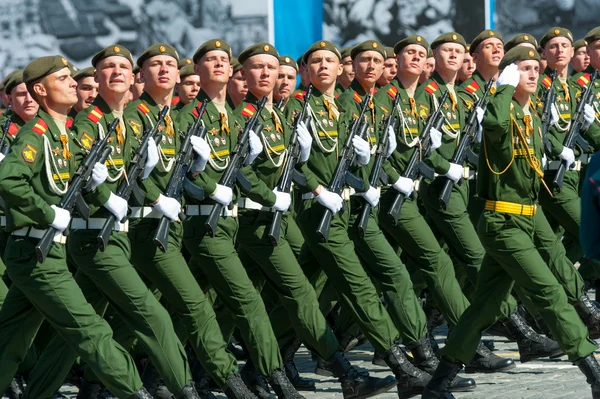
(519, 53)
(557, 31)
(414, 39)
(368, 45)
(7, 78)
(285, 60)
(42, 67)
(346, 52)
(157, 49)
(321, 45)
(520, 39)
(235, 64)
(212, 44)
(429, 53)
(84, 73)
(183, 62)
(579, 44)
(186, 71)
(136, 70)
(389, 52)
(15, 80)
(468, 49)
(115, 49)
(300, 60)
(450, 37)
(593, 35)
(486, 34)
(257, 49)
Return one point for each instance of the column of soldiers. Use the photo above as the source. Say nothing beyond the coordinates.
(432, 183)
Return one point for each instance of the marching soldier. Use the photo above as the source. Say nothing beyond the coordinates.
(347, 76)
(188, 87)
(468, 66)
(428, 68)
(137, 88)
(286, 81)
(521, 39)
(581, 59)
(87, 90)
(389, 68)
(236, 86)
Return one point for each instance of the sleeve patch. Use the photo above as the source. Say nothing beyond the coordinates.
(29, 153)
(135, 126)
(86, 140)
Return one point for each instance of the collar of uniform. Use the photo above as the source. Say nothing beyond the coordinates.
(355, 85)
(251, 99)
(437, 79)
(481, 82)
(149, 101)
(52, 128)
(16, 119)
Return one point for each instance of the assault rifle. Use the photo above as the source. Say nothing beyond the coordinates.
(549, 98)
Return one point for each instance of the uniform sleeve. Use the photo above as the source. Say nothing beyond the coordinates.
(185, 118)
(496, 121)
(435, 160)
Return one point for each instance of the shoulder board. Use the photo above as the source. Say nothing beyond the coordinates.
(95, 115)
(375, 90)
(547, 82)
(432, 87)
(472, 87)
(248, 110)
(357, 97)
(13, 129)
(583, 79)
(144, 108)
(40, 127)
(393, 92)
(300, 95)
(175, 100)
(69, 123)
(196, 110)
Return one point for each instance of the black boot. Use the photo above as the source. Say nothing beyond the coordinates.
(237, 352)
(287, 354)
(89, 390)
(486, 362)
(236, 389)
(355, 383)
(425, 359)
(590, 315)
(531, 344)
(411, 380)
(282, 386)
(378, 359)
(13, 391)
(591, 369)
(438, 387)
(188, 392)
(321, 368)
(151, 379)
(255, 382)
(143, 394)
(202, 380)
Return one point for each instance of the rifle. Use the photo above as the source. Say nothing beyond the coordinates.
(574, 136)
(233, 172)
(279, 103)
(285, 182)
(184, 161)
(464, 148)
(341, 175)
(4, 144)
(136, 169)
(549, 98)
(80, 181)
(376, 172)
(415, 167)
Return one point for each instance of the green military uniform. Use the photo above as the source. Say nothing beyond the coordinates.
(590, 226)
(48, 290)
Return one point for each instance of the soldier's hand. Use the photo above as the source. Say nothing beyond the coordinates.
(589, 115)
(168, 206)
(568, 156)
(151, 159)
(2, 157)
(283, 201)
(362, 150)
(371, 195)
(455, 172)
(305, 141)
(99, 175)
(435, 136)
(117, 206)
(392, 142)
(330, 200)
(202, 150)
(405, 185)
(62, 218)
(256, 147)
(509, 76)
(223, 195)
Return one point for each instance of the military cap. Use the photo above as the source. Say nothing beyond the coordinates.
(486, 34)
(186, 71)
(84, 73)
(415, 39)
(285, 60)
(346, 52)
(389, 52)
(593, 35)
(579, 44)
(157, 49)
(213, 44)
(42, 67)
(300, 60)
(520, 39)
(429, 53)
(136, 70)
(115, 49)
(183, 62)
(321, 45)
(468, 49)
(556, 32)
(257, 49)
(519, 53)
(7, 78)
(15, 80)
(369, 45)
(235, 64)
(450, 37)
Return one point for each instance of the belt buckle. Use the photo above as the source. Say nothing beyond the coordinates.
(466, 172)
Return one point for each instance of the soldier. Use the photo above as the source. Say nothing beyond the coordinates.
(4, 97)
(389, 68)
(303, 73)
(581, 59)
(87, 90)
(236, 86)
(590, 224)
(286, 81)
(42, 151)
(189, 86)
(509, 182)
(137, 88)
(428, 68)
(347, 75)
(467, 68)
(183, 63)
(521, 39)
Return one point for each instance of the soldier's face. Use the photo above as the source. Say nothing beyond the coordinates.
(261, 73)
(449, 57)
(188, 88)
(237, 88)
(428, 69)
(580, 60)
(114, 74)
(558, 52)
(323, 68)
(286, 82)
(137, 88)
(467, 68)
(214, 67)
(57, 90)
(347, 72)
(530, 72)
(368, 67)
(390, 67)
(411, 60)
(87, 90)
(22, 103)
(160, 72)
(489, 52)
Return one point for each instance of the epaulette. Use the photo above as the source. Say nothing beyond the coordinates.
(196, 110)
(95, 115)
(392, 91)
(300, 95)
(432, 87)
(248, 110)
(357, 97)
(472, 87)
(40, 127)
(583, 79)
(13, 129)
(144, 108)
(69, 123)
(175, 100)
(547, 82)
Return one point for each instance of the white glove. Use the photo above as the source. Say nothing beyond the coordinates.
(99, 175)
(329, 200)
(256, 147)
(223, 195)
(2, 157)
(405, 185)
(435, 136)
(455, 172)
(117, 206)
(202, 149)
(479, 111)
(589, 115)
(509, 76)
(283, 201)
(151, 160)
(392, 142)
(568, 156)
(553, 115)
(362, 150)
(168, 206)
(305, 141)
(62, 218)
(544, 161)
(371, 195)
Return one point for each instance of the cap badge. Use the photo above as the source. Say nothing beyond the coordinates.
(419, 39)
(65, 62)
(162, 49)
(525, 37)
(556, 31)
(531, 54)
(322, 44)
(374, 45)
(454, 37)
(491, 33)
(266, 47)
(287, 60)
(117, 49)
(217, 44)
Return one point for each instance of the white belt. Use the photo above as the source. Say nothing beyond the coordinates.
(97, 224)
(247, 203)
(144, 212)
(35, 233)
(2, 221)
(345, 194)
(205, 210)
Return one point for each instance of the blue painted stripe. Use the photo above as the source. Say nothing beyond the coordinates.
(298, 24)
(492, 13)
